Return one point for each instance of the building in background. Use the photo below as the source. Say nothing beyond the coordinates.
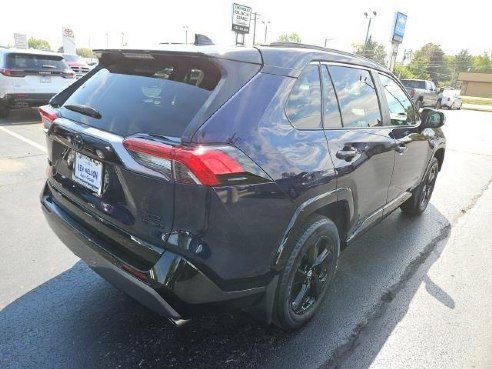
(476, 84)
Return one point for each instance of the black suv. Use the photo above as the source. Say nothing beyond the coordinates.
(199, 180)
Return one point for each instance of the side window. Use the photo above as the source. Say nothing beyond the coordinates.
(303, 107)
(400, 108)
(357, 96)
(331, 111)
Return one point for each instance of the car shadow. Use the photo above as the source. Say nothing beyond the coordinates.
(77, 320)
(21, 116)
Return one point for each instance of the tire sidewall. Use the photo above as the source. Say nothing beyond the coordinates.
(423, 206)
(316, 227)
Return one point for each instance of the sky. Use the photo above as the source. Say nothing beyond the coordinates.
(145, 23)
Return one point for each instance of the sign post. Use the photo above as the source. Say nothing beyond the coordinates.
(241, 18)
(68, 41)
(20, 40)
(397, 37)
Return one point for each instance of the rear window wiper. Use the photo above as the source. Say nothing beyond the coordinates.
(84, 109)
(48, 66)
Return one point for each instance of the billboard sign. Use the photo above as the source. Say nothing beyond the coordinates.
(68, 38)
(399, 28)
(20, 40)
(241, 16)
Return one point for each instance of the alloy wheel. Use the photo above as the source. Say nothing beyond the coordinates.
(311, 275)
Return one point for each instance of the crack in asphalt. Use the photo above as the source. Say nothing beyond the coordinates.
(344, 350)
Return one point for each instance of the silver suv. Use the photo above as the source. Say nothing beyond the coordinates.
(422, 92)
(30, 78)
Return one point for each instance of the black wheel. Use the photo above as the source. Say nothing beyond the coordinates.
(308, 273)
(416, 204)
(438, 104)
(4, 111)
(419, 105)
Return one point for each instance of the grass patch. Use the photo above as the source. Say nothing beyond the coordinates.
(479, 101)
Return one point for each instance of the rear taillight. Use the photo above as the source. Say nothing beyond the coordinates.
(48, 115)
(413, 93)
(12, 73)
(205, 165)
(68, 73)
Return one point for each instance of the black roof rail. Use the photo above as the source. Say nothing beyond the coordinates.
(315, 47)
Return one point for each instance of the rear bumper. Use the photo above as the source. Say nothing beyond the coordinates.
(173, 287)
(24, 100)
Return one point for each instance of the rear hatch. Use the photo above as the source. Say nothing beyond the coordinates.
(36, 73)
(116, 143)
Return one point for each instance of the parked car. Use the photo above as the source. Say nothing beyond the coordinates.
(77, 63)
(423, 93)
(199, 179)
(450, 99)
(30, 78)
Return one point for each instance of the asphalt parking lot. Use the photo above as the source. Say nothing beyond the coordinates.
(56, 313)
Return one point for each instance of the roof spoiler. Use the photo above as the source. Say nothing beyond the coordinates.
(201, 40)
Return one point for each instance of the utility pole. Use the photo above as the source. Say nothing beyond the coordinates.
(255, 14)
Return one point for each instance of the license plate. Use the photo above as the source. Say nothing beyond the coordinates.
(45, 79)
(88, 172)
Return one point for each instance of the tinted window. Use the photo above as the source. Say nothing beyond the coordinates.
(331, 111)
(156, 96)
(411, 83)
(400, 108)
(35, 62)
(357, 97)
(304, 105)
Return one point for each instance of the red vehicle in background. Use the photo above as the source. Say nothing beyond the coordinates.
(77, 64)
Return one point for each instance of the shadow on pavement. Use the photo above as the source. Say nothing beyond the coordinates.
(77, 320)
(21, 116)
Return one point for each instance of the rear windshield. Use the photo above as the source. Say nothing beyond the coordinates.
(35, 62)
(409, 83)
(157, 96)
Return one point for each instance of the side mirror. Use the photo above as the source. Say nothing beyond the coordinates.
(432, 118)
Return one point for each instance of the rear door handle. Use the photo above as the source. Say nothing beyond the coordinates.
(346, 154)
(401, 148)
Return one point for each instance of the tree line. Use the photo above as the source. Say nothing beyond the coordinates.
(430, 62)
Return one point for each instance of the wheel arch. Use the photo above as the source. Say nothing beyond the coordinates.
(439, 155)
(336, 205)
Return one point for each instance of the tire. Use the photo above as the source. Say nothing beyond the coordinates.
(438, 104)
(4, 111)
(417, 204)
(419, 105)
(308, 273)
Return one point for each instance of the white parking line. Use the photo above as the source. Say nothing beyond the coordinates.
(22, 138)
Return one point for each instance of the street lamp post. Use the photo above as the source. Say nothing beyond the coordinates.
(266, 23)
(370, 17)
(328, 39)
(186, 34)
(256, 15)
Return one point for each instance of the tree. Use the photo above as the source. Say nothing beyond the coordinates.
(428, 63)
(292, 37)
(463, 61)
(37, 43)
(402, 72)
(85, 52)
(482, 63)
(372, 50)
